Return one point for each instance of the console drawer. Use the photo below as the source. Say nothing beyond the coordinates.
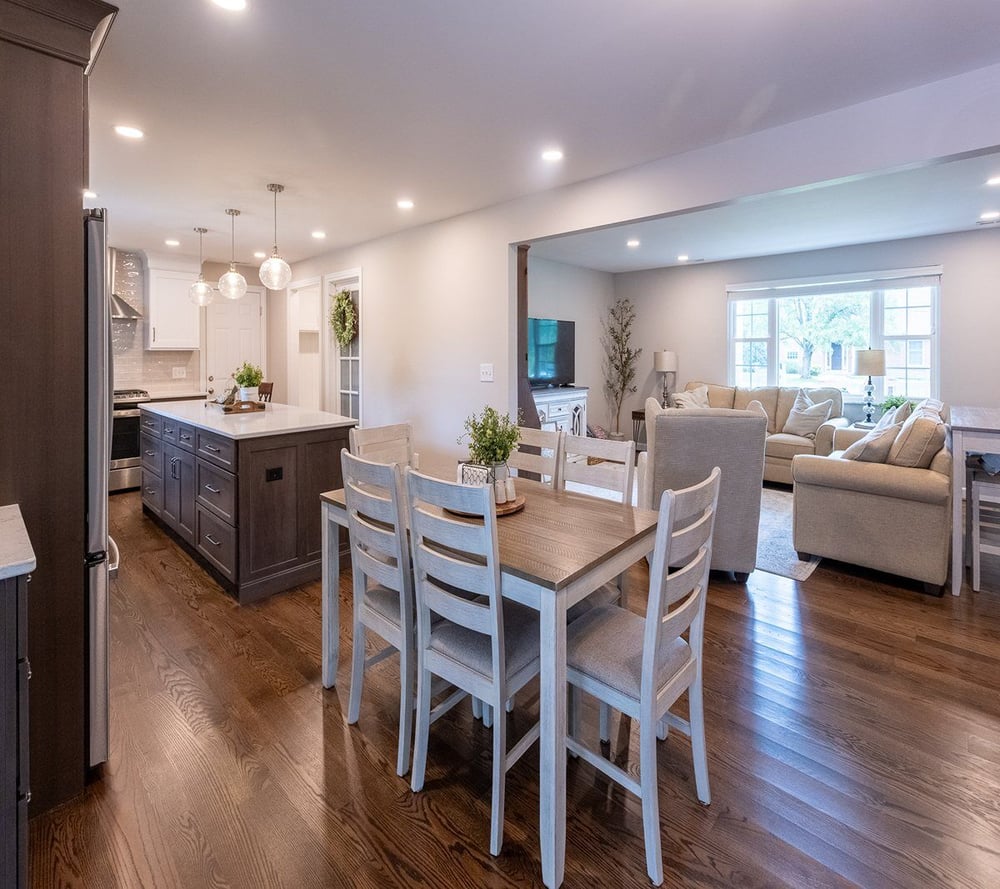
(218, 450)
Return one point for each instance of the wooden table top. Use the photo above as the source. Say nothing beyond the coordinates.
(559, 535)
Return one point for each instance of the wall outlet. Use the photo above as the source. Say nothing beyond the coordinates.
(179, 373)
(485, 373)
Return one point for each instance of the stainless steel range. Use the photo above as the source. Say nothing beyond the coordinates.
(125, 453)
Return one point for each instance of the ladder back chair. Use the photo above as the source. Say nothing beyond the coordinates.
(641, 666)
(264, 391)
(382, 584)
(547, 462)
(607, 464)
(466, 634)
(384, 444)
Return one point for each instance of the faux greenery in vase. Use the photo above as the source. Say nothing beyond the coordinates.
(491, 437)
(619, 357)
(248, 377)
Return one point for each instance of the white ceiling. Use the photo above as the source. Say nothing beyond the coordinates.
(354, 104)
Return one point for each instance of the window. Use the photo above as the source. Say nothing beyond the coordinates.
(805, 333)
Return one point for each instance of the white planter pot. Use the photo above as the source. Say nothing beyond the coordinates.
(477, 474)
(249, 393)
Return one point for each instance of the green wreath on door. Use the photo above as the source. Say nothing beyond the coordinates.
(344, 319)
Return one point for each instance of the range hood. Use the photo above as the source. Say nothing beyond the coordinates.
(120, 310)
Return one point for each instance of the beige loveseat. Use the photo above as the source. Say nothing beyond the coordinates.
(890, 518)
(780, 447)
(683, 446)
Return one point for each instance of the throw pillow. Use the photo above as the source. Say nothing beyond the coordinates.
(921, 437)
(805, 417)
(697, 397)
(875, 446)
(757, 408)
(889, 417)
(930, 404)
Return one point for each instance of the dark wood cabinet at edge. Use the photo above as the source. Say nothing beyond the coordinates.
(45, 47)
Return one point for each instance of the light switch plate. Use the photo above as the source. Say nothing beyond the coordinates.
(485, 373)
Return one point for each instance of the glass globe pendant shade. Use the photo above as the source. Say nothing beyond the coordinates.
(275, 273)
(201, 292)
(232, 285)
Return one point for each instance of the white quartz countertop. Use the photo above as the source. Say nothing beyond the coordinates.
(16, 555)
(275, 419)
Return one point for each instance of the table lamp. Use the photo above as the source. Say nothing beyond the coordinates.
(665, 363)
(870, 362)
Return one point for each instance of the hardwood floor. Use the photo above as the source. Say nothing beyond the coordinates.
(853, 727)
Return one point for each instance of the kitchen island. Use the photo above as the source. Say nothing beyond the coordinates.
(242, 490)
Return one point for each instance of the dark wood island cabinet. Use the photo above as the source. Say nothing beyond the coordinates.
(242, 490)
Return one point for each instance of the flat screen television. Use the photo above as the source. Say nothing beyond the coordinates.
(551, 352)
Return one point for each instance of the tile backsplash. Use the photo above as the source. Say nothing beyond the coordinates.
(135, 367)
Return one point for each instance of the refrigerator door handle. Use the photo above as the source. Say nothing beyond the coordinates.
(114, 557)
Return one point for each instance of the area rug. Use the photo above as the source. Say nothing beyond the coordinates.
(775, 553)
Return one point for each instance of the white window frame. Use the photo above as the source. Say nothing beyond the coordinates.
(876, 282)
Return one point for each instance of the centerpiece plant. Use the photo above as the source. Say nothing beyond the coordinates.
(491, 438)
(248, 377)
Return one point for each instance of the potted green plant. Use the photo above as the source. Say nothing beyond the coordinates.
(893, 401)
(248, 377)
(491, 437)
(619, 358)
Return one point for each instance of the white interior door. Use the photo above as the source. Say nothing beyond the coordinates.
(304, 359)
(234, 334)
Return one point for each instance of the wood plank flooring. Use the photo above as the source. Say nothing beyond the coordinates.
(853, 727)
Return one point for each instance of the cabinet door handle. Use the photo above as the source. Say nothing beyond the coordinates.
(212, 540)
(27, 666)
(150, 453)
(213, 490)
(150, 490)
(212, 448)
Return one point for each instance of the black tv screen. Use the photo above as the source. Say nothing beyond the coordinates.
(551, 352)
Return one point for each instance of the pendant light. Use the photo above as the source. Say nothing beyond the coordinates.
(232, 285)
(201, 292)
(275, 272)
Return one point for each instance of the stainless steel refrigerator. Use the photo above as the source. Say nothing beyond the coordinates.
(102, 553)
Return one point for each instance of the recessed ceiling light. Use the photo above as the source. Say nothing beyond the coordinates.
(990, 215)
(633, 242)
(172, 242)
(259, 254)
(318, 235)
(682, 258)
(404, 204)
(129, 132)
(231, 5)
(993, 180)
(552, 154)
(89, 195)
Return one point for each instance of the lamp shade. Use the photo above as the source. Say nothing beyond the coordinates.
(869, 362)
(665, 362)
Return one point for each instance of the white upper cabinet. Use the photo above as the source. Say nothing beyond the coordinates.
(172, 320)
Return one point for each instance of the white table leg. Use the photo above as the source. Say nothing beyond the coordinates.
(957, 539)
(330, 597)
(552, 740)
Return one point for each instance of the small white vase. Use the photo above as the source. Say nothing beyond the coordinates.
(249, 393)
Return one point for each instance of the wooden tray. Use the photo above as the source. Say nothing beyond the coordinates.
(243, 407)
(508, 508)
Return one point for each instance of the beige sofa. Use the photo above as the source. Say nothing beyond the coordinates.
(683, 446)
(780, 447)
(895, 519)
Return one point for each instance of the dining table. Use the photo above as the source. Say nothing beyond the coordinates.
(555, 552)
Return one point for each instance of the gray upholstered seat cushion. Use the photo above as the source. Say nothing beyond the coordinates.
(606, 643)
(474, 650)
(605, 595)
(787, 445)
(384, 602)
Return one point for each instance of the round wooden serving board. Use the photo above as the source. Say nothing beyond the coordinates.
(508, 508)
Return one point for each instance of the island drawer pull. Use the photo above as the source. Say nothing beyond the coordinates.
(212, 540)
(185, 437)
(150, 453)
(212, 448)
(149, 423)
(169, 430)
(213, 490)
(150, 490)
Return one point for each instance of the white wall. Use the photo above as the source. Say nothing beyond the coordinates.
(571, 293)
(690, 302)
(439, 299)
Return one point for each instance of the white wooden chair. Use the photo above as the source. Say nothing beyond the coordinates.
(614, 472)
(383, 583)
(547, 463)
(485, 646)
(985, 526)
(642, 666)
(385, 444)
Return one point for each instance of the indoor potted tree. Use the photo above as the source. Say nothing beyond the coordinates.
(619, 358)
(491, 439)
(248, 378)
